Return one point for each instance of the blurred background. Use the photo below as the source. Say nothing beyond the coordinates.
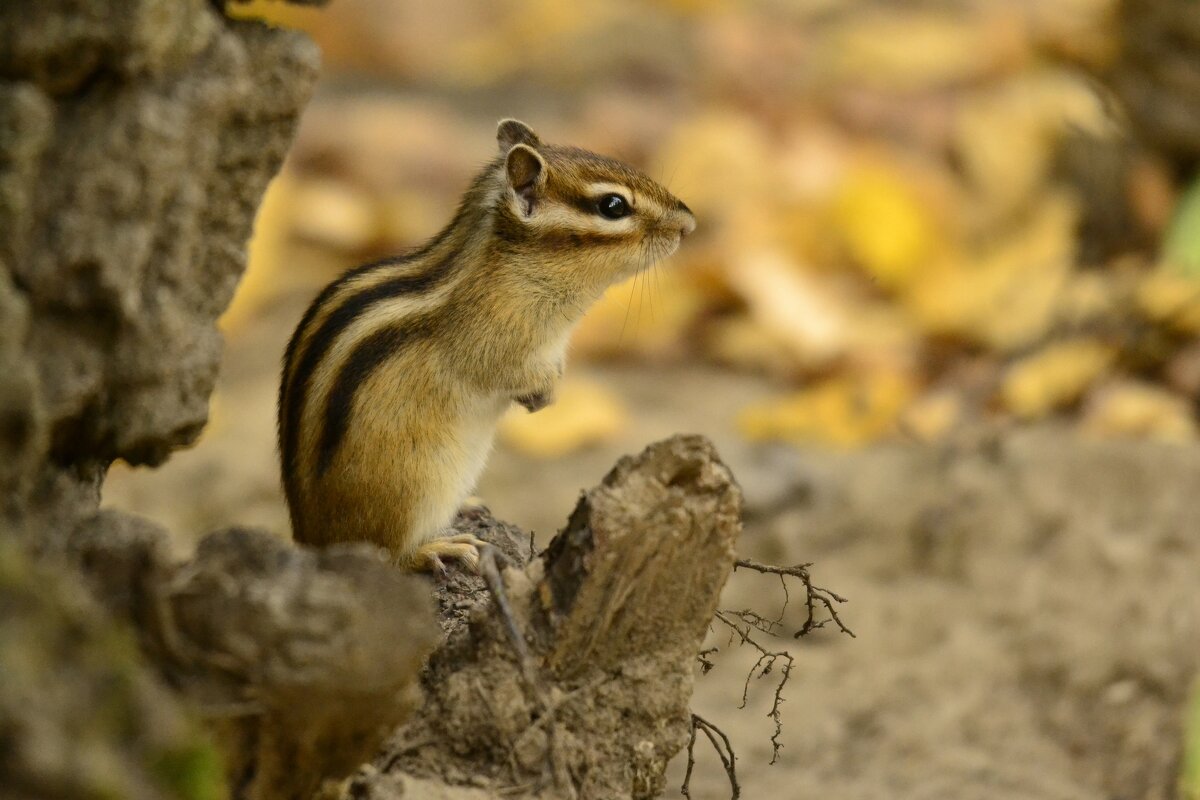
(913, 217)
(920, 224)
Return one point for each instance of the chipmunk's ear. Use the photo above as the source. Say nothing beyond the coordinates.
(512, 131)
(526, 173)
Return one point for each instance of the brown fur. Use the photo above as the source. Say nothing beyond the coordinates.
(397, 374)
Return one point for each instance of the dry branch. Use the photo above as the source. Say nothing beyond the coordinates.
(742, 625)
(813, 596)
(724, 750)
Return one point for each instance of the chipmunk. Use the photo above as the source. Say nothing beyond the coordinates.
(397, 374)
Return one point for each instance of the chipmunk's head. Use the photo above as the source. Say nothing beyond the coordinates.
(609, 218)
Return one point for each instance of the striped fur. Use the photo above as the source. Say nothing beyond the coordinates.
(398, 372)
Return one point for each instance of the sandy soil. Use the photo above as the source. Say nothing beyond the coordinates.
(1026, 604)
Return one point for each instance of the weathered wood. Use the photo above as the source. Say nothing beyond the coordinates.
(613, 613)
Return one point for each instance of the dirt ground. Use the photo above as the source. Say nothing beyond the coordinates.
(1025, 603)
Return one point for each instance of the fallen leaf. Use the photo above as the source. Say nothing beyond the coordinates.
(930, 417)
(1003, 293)
(841, 412)
(884, 224)
(1007, 135)
(1171, 299)
(285, 15)
(1054, 377)
(797, 307)
(1135, 408)
(914, 49)
(1090, 297)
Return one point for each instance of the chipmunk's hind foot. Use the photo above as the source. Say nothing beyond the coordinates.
(431, 556)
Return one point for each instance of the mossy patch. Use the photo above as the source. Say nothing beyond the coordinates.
(191, 772)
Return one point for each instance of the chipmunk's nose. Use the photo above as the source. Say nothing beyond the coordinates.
(687, 220)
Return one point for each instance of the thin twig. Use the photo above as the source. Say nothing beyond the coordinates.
(489, 569)
(813, 594)
(756, 620)
(743, 624)
(685, 789)
(763, 666)
(724, 750)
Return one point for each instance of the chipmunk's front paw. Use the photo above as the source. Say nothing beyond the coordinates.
(431, 556)
(537, 400)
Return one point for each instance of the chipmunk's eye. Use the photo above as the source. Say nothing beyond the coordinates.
(613, 206)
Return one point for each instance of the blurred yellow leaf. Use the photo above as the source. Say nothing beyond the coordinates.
(932, 416)
(1003, 149)
(1007, 137)
(885, 226)
(843, 412)
(1004, 294)
(1171, 299)
(286, 15)
(1054, 377)
(1091, 296)
(583, 414)
(704, 270)
(1134, 408)
(334, 213)
(796, 307)
(917, 48)
(882, 337)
